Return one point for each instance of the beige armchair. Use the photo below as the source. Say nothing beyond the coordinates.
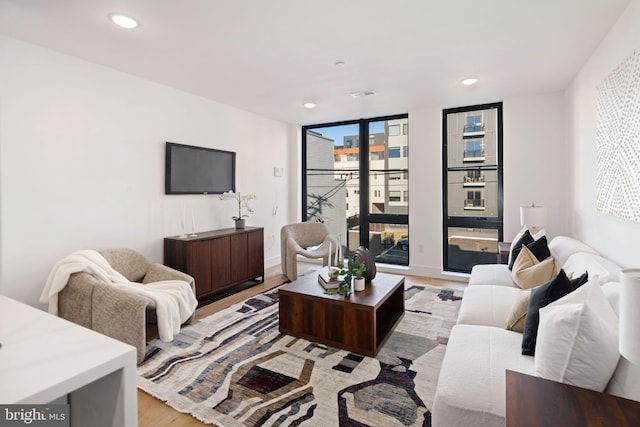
(114, 311)
(296, 238)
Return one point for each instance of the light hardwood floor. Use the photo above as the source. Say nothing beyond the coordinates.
(154, 413)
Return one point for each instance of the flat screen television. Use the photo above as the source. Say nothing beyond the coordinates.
(198, 170)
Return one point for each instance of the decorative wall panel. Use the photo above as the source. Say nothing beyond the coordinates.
(618, 141)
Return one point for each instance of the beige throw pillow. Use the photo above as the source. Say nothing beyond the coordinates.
(516, 318)
(528, 272)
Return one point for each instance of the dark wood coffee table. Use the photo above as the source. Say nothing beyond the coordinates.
(361, 322)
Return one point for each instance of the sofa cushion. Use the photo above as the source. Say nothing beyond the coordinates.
(541, 297)
(539, 248)
(529, 272)
(562, 247)
(596, 265)
(624, 382)
(518, 314)
(578, 339)
(515, 241)
(471, 385)
(612, 291)
(491, 274)
(524, 239)
(486, 305)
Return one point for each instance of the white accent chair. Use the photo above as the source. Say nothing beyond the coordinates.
(296, 238)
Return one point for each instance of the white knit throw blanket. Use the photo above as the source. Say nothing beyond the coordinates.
(175, 301)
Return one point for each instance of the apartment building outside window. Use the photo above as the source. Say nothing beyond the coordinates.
(472, 186)
(394, 152)
(363, 197)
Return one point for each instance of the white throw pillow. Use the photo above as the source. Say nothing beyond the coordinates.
(578, 339)
(594, 264)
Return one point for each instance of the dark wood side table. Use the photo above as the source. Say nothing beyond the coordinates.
(503, 252)
(537, 402)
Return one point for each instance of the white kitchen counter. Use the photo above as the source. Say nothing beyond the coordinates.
(44, 358)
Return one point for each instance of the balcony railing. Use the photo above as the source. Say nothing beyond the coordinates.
(474, 204)
(473, 181)
(473, 128)
(473, 155)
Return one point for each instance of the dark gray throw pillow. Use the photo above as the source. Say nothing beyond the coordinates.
(541, 297)
(539, 249)
(516, 247)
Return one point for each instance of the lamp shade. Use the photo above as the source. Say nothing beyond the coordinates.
(533, 216)
(630, 314)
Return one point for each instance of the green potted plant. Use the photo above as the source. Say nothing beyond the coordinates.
(352, 272)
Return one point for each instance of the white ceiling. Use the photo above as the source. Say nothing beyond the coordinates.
(271, 56)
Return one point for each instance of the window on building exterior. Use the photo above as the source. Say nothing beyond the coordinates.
(394, 196)
(395, 175)
(405, 129)
(405, 151)
(473, 122)
(406, 196)
(394, 152)
(474, 198)
(394, 130)
(474, 148)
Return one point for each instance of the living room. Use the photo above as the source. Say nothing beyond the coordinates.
(82, 152)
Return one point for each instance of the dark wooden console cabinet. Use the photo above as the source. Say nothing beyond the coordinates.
(220, 261)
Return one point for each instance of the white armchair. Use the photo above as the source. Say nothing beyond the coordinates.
(296, 238)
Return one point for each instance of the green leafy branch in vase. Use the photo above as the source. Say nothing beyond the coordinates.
(354, 269)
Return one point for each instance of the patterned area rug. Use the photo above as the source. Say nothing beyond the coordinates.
(234, 368)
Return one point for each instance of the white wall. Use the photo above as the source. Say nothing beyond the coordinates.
(535, 171)
(614, 237)
(65, 185)
(535, 161)
(82, 163)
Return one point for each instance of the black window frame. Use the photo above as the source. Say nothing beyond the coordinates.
(366, 217)
(470, 222)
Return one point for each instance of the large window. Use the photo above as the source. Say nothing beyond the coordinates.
(360, 191)
(472, 181)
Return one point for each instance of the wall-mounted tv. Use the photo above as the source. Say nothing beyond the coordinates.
(198, 170)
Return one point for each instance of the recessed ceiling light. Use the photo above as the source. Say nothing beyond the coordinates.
(470, 81)
(309, 105)
(123, 21)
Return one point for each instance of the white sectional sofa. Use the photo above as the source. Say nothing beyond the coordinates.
(471, 386)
